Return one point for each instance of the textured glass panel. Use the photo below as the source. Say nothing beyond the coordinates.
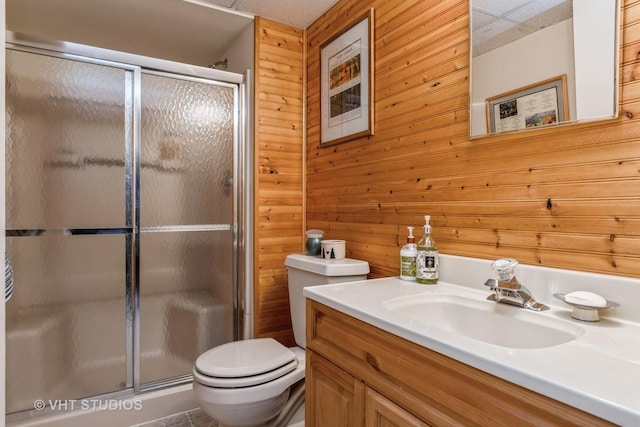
(65, 143)
(65, 324)
(187, 152)
(186, 303)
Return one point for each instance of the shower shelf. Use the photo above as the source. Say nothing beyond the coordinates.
(94, 161)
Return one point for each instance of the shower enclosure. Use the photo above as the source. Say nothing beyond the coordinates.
(123, 223)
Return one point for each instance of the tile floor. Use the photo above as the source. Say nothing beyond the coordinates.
(193, 418)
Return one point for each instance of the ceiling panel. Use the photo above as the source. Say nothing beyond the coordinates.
(297, 13)
(499, 22)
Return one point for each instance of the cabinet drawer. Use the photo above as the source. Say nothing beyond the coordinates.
(433, 387)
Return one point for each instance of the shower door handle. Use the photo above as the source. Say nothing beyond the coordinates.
(8, 278)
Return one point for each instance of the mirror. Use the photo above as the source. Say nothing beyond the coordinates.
(542, 63)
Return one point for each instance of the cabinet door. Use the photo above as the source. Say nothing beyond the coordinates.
(333, 397)
(381, 412)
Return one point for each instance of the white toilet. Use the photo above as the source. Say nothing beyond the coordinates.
(260, 382)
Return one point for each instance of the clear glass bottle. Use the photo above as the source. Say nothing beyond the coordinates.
(427, 263)
(408, 255)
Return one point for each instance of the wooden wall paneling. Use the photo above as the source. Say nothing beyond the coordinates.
(564, 197)
(279, 175)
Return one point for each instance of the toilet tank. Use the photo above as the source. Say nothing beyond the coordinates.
(305, 270)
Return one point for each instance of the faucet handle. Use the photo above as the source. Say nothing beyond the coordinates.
(505, 268)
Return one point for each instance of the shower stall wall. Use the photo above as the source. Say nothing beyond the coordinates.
(122, 225)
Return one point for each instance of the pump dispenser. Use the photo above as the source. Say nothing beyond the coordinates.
(427, 263)
(408, 255)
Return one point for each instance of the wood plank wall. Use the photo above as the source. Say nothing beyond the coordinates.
(567, 197)
(279, 172)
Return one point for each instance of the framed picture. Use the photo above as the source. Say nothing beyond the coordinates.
(540, 104)
(346, 83)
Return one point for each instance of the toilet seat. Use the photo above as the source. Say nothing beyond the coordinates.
(244, 363)
(244, 381)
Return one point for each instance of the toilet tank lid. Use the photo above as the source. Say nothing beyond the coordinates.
(315, 264)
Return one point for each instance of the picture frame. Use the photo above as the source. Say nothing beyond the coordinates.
(346, 83)
(540, 104)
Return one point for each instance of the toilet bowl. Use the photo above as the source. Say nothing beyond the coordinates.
(260, 382)
(247, 383)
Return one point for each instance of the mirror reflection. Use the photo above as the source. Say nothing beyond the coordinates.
(541, 63)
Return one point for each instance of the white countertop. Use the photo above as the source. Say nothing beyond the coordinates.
(598, 372)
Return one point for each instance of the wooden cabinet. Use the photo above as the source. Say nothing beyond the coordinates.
(381, 412)
(333, 396)
(336, 398)
(360, 375)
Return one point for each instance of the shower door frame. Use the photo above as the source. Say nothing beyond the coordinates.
(241, 178)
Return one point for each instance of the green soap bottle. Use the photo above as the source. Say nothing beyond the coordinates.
(427, 263)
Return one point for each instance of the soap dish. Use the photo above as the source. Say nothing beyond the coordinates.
(587, 313)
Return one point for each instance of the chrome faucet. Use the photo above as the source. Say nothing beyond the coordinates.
(508, 290)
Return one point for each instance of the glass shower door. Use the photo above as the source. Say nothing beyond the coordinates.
(187, 222)
(69, 127)
(122, 219)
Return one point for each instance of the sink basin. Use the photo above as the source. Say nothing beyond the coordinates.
(486, 321)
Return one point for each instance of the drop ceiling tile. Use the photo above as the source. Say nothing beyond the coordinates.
(298, 13)
(500, 7)
(480, 20)
(537, 17)
(498, 27)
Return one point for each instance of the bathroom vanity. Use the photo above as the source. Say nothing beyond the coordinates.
(374, 359)
(365, 374)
